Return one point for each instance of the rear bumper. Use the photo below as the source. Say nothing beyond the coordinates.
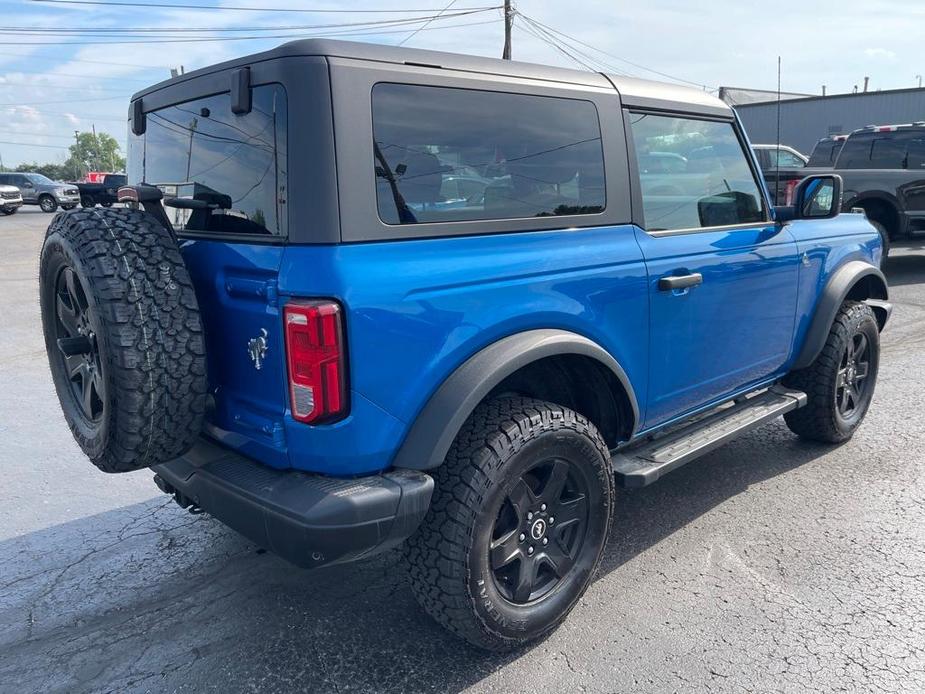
(310, 520)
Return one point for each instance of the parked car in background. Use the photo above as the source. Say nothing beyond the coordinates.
(10, 199)
(101, 192)
(772, 156)
(883, 170)
(782, 168)
(512, 288)
(40, 190)
(825, 152)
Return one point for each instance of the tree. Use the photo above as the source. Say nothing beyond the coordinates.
(94, 152)
(56, 172)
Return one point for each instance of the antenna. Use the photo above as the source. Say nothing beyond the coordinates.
(777, 155)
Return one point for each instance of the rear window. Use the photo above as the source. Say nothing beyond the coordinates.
(445, 155)
(825, 153)
(233, 166)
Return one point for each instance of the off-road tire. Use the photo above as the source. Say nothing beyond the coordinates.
(87, 202)
(819, 419)
(447, 558)
(147, 330)
(47, 203)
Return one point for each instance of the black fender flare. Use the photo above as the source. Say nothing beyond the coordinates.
(437, 424)
(840, 284)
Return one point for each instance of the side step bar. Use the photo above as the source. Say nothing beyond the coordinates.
(642, 463)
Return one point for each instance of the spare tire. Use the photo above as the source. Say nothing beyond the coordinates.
(124, 337)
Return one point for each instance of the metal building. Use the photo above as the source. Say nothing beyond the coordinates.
(803, 121)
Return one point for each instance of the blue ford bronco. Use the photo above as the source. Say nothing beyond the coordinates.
(366, 296)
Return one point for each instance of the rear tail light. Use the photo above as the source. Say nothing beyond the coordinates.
(316, 358)
(788, 192)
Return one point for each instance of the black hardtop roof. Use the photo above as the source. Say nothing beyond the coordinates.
(644, 90)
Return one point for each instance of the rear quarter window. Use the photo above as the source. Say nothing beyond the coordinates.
(449, 154)
(234, 166)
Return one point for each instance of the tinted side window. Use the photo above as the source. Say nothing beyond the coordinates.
(887, 152)
(709, 183)
(855, 153)
(234, 165)
(915, 152)
(445, 155)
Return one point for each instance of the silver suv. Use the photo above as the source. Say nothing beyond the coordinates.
(42, 191)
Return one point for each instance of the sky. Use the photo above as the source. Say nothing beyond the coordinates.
(54, 81)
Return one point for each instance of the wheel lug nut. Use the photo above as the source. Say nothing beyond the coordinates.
(552, 520)
(543, 507)
(522, 537)
(530, 515)
(530, 550)
(545, 540)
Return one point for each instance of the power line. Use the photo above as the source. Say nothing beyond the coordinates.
(234, 38)
(29, 144)
(78, 60)
(611, 55)
(37, 84)
(223, 8)
(68, 113)
(63, 31)
(551, 41)
(168, 30)
(31, 134)
(66, 101)
(425, 25)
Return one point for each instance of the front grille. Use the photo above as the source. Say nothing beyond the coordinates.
(10, 196)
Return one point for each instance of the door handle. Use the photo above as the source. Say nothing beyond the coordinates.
(680, 281)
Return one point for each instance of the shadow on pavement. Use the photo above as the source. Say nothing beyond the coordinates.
(148, 597)
(906, 269)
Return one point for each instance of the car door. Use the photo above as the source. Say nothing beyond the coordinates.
(722, 277)
(26, 187)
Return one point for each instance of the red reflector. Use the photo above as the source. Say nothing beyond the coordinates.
(316, 359)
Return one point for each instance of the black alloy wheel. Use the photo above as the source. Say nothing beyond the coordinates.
(78, 350)
(519, 518)
(540, 529)
(840, 382)
(851, 387)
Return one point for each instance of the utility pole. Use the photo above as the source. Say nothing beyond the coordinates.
(189, 152)
(96, 149)
(508, 25)
(77, 153)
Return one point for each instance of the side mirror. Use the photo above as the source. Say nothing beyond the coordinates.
(815, 197)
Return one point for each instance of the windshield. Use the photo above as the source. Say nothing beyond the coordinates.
(39, 179)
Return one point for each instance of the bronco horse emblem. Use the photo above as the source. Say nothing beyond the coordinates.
(257, 348)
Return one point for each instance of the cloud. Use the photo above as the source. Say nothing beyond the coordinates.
(880, 53)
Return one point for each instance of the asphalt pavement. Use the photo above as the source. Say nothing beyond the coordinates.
(769, 565)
